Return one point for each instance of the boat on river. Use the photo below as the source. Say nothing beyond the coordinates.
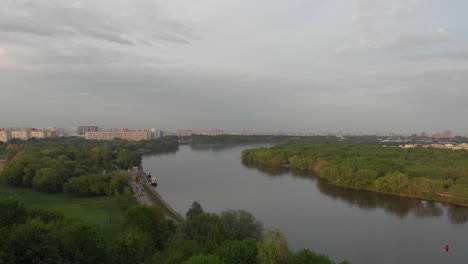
(154, 181)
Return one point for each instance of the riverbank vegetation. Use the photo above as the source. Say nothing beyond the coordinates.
(434, 174)
(38, 235)
(48, 165)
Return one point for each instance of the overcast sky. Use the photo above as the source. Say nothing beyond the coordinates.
(289, 65)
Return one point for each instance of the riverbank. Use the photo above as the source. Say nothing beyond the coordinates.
(402, 196)
(421, 173)
(432, 197)
(147, 195)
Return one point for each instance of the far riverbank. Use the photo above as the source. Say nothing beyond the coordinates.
(428, 174)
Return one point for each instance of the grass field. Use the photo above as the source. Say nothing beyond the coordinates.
(103, 211)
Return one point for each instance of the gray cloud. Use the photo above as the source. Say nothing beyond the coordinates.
(263, 65)
(65, 19)
(419, 39)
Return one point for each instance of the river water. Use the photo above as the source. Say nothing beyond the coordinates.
(358, 226)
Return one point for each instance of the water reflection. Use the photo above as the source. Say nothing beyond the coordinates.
(398, 206)
(268, 170)
(159, 153)
(458, 214)
(394, 205)
(218, 147)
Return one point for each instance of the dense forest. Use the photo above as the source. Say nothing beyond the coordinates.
(427, 173)
(35, 235)
(74, 164)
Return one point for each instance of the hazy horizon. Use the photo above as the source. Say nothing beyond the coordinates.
(302, 65)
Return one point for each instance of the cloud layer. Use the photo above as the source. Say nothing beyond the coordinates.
(370, 66)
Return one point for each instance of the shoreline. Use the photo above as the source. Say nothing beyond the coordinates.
(400, 196)
(157, 198)
(380, 192)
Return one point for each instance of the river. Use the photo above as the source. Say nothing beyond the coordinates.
(358, 226)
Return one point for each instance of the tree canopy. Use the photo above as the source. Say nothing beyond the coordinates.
(435, 174)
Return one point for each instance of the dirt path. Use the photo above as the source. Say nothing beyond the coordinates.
(140, 194)
(136, 182)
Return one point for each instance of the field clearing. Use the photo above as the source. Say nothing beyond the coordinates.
(102, 210)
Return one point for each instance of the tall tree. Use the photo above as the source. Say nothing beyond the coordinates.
(273, 248)
(238, 252)
(150, 220)
(12, 212)
(194, 211)
(240, 225)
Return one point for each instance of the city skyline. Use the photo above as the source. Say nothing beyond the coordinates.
(81, 130)
(357, 66)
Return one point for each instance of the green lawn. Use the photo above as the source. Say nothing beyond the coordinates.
(103, 211)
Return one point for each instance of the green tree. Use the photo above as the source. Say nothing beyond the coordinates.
(307, 256)
(13, 173)
(131, 246)
(47, 180)
(127, 159)
(238, 252)
(204, 259)
(199, 228)
(179, 249)
(273, 248)
(12, 212)
(45, 215)
(81, 243)
(148, 219)
(194, 211)
(240, 225)
(33, 242)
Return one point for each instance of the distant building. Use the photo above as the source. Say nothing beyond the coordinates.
(445, 134)
(71, 132)
(81, 130)
(5, 136)
(124, 134)
(59, 131)
(38, 134)
(185, 132)
(104, 135)
(20, 134)
(51, 133)
(135, 135)
(154, 133)
(214, 132)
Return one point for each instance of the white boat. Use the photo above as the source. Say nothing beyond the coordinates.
(154, 181)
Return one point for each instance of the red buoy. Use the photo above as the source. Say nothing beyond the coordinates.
(447, 248)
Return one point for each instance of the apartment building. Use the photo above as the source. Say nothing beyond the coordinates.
(124, 134)
(5, 136)
(38, 134)
(20, 134)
